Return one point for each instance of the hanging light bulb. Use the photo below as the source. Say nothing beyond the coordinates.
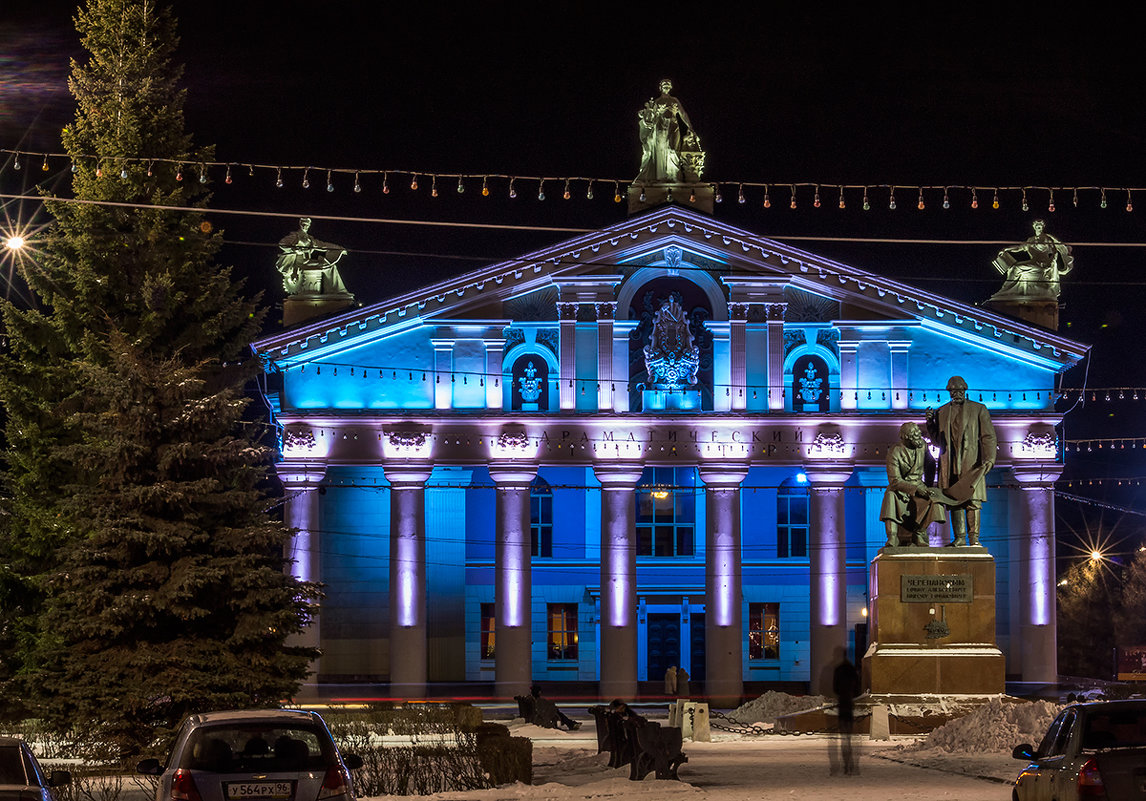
(123, 172)
(306, 178)
(946, 199)
(1050, 204)
(792, 199)
(920, 205)
(719, 198)
(1129, 202)
(178, 172)
(414, 182)
(866, 202)
(202, 173)
(74, 166)
(1074, 199)
(512, 190)
(642, 195)
(357, 182)
(891, 199)
(329, 182)
(279, 178)
(485, 186)
(150, 169)
(616, 192)
(227, 177)
(995, 199)
(385, 183)
(974, 198)
(1026, 205)
(44, 166)
(842, 204)
(461, 186)
(589, 191)
(541, 189)
(740, 194)
(16, 161)
(1102, 199)
(816, 197)
(692, 196)
(434, 186)
(566, 194)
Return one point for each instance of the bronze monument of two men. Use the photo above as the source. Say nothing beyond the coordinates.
(962, 431)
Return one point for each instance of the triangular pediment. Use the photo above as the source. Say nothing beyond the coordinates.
(670, 238)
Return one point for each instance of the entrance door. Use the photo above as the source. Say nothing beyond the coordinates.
(696, 646)
(663, 646)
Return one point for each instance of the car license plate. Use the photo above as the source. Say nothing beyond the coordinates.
(259, 790)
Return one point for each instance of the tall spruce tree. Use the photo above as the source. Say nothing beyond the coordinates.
(142, 576)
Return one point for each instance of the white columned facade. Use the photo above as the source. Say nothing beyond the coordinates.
(900, 386)
(567, 314)
(723, 623)
(618, 579)
(849, 374)
(408, 579)
(304, 551)
(827, 571)
(1031, 522)
(738, 354)
(775, 313)
(513, 654)
(494, 356)
(443, 373)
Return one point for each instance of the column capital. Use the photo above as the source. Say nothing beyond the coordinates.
(1037, 474)
(618, 475)
(567, 311)
(407, 476)
(848, 345)
(828, 475)
(722, 476)
(441, 344)
(301, 476)
(605, 310)
(513, 475)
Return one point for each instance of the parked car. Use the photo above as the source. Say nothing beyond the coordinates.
(1093, 750)
(262, 755)
(22, 778)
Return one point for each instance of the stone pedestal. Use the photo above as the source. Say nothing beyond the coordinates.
(917, 591)
(1039, 312)
(300, 308)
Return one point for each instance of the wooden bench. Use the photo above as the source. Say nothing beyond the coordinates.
(657, 749)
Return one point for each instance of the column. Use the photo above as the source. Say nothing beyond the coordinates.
(304, 551)
(605, 378)
(775, 313)
(849, 374)
(737, 354)
(1031, 522)
(408, 579)
(494, 355)
(827, 572)
(513, 631)
(723, 623)
(443, 373)
(899, 378)
(567, 312)
(618, 579)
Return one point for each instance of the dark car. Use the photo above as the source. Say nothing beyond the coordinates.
(1093, 750)
(264, 755)
(22, 778)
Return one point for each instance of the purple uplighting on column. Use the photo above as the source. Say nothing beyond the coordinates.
(1041, 567)
(409, 559)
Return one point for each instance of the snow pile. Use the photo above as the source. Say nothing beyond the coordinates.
(998, 725)
(772, 705)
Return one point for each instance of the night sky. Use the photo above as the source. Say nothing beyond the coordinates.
(859, 96)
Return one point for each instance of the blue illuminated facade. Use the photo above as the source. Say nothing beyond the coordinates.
(493, 488)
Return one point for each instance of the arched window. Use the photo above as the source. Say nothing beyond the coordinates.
(666, 511)
(541, 518)
(792, 519)
(529, 390)
(811, 385)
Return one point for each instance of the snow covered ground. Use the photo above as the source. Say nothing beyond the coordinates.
(968, 759)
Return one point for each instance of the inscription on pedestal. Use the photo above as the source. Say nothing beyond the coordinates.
(953, 589)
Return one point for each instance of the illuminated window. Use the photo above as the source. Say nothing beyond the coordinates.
(562, 631)
(763, 631)
(487, 626)
(541, 518)
(792, 520)
(666, 511)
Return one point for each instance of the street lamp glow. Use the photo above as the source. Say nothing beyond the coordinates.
(15, 242)
(1096, 556)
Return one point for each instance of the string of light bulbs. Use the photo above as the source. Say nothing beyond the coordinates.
(1105, 443)
(822, 194)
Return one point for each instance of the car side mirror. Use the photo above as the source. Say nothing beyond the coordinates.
(1024, 751)
(352, 761)
(149, 767)
(59, 778)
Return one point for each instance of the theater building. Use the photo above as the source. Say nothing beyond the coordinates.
(660, 443)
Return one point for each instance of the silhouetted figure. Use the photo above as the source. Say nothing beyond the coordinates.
(682, 690)
(846, 686)
(670, 682)
(546, 713)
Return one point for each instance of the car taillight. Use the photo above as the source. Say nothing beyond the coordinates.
(1089, 782)
(333, 784)
(183, 787)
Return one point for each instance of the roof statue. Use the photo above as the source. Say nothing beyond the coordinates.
(1031, 273)
(671, 156)
(311, 280)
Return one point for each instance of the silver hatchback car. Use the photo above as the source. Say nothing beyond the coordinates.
(260, 755)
